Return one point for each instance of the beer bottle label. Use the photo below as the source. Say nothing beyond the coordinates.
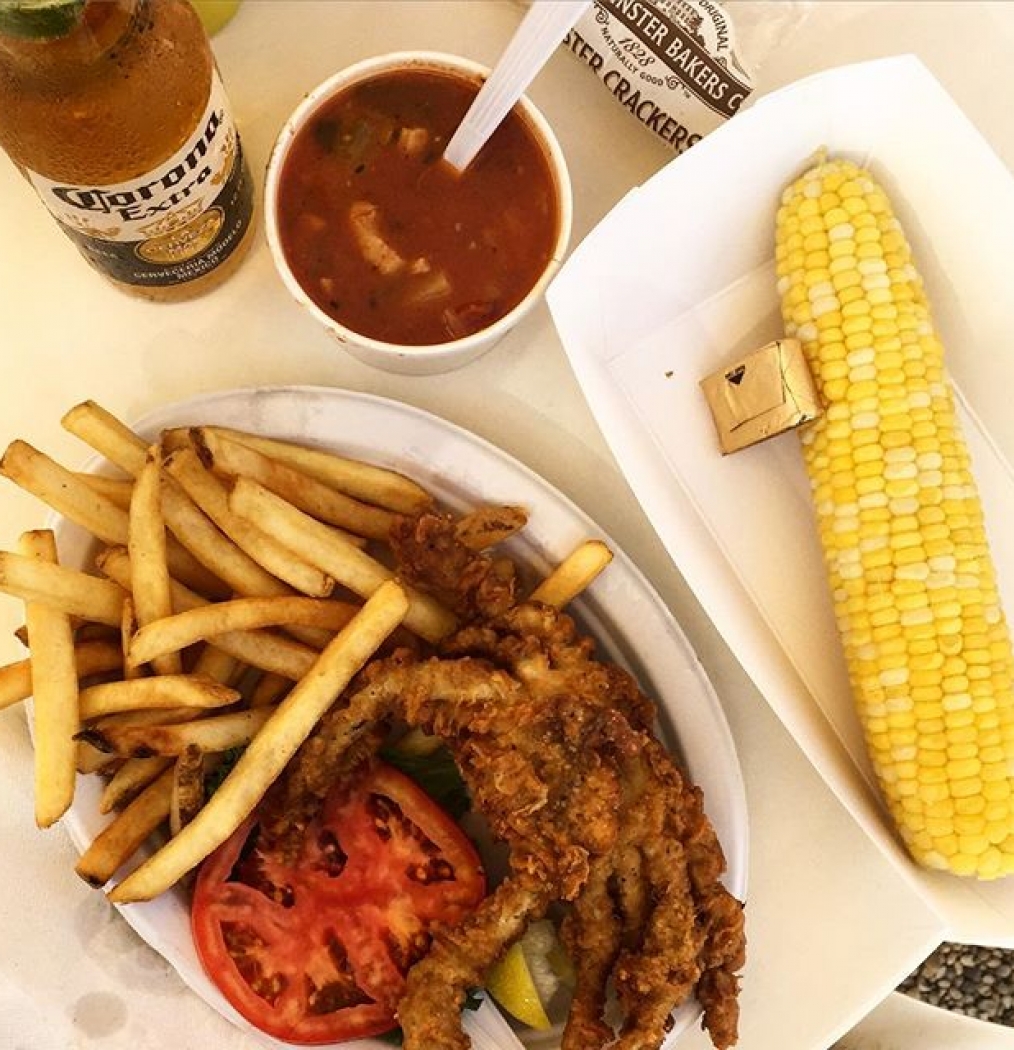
(173, 224)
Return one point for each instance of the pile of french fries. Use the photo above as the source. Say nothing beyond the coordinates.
(236, 591)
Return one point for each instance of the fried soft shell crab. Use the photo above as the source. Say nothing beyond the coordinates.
(558, 753)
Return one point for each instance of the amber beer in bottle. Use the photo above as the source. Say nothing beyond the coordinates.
(115, 112)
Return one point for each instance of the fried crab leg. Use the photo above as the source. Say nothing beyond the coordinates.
(591, 933)
(430, 1010)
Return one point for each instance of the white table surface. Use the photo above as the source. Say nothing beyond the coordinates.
(832, 926)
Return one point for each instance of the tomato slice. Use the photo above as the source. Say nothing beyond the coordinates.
(316, 950)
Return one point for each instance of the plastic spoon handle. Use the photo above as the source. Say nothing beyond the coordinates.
(538, 36)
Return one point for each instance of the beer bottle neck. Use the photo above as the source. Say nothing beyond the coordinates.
(69, 36)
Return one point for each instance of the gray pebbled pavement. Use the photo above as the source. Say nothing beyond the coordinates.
(978, 982)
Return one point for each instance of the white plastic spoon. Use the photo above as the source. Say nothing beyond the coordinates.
(538, 36)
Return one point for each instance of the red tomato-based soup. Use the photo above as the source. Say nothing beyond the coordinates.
(392, 242)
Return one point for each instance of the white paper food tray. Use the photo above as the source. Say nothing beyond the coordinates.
(679, 279)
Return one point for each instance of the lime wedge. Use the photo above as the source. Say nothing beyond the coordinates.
(525, 980)
(39, 19)
(215, 13)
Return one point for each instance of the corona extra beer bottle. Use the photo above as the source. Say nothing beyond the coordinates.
(115, 112)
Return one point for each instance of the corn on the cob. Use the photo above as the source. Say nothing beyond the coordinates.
(901, 525)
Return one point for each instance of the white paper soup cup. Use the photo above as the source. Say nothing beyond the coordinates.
(393, 357)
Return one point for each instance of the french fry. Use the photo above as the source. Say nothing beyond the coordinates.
(89, 759)
(210, 546)
(67, 590)
(211, 496)
(573, 574)
(130, 779)
(269, 652)
(92, 760)
(188, 788)
(247, 682)
(269, 752)
(227, 456)
(174, 438)
(146, 547)
(349, 566)
(218, 733)
(241, 614)
(376, 485)
(89, 658)
(159, 691)
(202, 538)
(192, 571)
(102, 431)
(218, 664)
(85, 631)
(315, 637)
(118, 842)
(55, 712)
(269, 690)
(487, 526)
(128, 628)
(151, 716)
(116, 490)
(62, 490)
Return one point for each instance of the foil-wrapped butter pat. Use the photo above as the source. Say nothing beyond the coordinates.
(765, 393)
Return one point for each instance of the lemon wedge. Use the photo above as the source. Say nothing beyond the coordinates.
(511, 985)
(527, 977)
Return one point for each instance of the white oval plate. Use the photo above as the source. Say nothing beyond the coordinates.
(621, 610)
